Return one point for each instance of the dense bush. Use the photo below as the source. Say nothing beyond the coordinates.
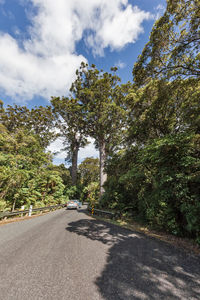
(27, 176)
(161, 183)
(88, 172)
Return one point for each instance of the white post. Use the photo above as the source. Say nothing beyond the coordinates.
(22, 208)
(30, 211)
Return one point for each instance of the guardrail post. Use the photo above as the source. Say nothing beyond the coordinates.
(22, 208)
(30, 210)
(27, 212)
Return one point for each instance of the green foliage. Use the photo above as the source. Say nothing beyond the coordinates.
(173, 47)
(89, 171)
(102, 103)
(26, 172)
(70, 121)
(156, 177)
(161, 184)
(73, 192)
(161, 108)
(92, 191)
(64, 173)
(89, 179)
(103, 106)
(38, 121)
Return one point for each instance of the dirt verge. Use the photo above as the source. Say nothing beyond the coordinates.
(18, 219)
(183, 243)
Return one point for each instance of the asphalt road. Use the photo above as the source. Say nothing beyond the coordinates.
(68, 255)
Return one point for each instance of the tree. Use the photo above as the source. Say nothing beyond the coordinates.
(89, 171)
(42, 123)
(21, 157)
(173, 48)
(71, 124)
(38, 121)
(163, 107)
(26, 172)
(158, 183)
(14, 117)
(103, 107)
(64, 173)
(164, 98)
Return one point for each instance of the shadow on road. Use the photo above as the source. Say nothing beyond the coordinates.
(139, 267)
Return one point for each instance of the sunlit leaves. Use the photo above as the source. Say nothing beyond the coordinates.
(173, 48)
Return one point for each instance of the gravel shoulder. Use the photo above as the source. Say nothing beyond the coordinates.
(185, 244)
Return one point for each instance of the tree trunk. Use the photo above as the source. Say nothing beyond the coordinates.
(103, 175)
(74, 164)
(13, 206)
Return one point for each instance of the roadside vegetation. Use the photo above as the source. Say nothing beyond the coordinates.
(147, 132)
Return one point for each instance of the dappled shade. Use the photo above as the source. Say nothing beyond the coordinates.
(139, 267)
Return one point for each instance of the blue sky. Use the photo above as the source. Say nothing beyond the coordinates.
(42, 43)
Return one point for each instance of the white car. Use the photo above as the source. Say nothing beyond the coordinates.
(73, 204)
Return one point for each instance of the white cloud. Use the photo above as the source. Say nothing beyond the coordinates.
(120, 64)
(55, 147)
(46, 62)
(24, 74)
(160, 9)
(88, 151)
(117, 29)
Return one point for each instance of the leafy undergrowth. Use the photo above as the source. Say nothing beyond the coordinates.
(183, 243)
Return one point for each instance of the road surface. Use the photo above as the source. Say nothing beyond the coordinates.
(68, 255)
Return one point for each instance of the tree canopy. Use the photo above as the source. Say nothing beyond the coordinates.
(101, 98)
(173, 47)
(72, 128)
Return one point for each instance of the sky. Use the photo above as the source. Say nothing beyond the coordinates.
(43, 42)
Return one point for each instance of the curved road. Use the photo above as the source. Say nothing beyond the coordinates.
(68, 255)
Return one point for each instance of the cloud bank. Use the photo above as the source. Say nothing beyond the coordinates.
(44, 64)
